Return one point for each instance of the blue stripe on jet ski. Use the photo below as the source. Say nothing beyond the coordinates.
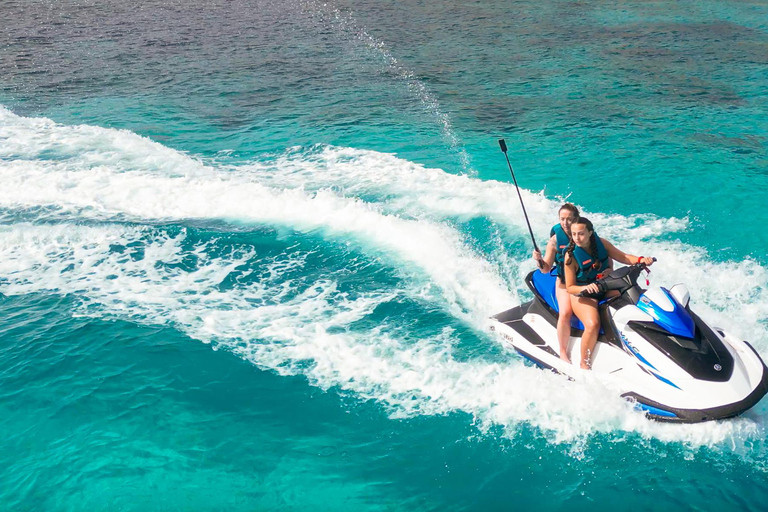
(535, 361)
(662, 379)
(641, 358)
(635, 352)
(655, 410)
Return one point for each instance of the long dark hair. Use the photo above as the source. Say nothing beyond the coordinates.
(571, 208)
(592, 243)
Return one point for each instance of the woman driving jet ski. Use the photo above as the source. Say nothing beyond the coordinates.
(586, 257)
(559, 238)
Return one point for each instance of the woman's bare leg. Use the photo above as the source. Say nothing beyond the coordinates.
(586, 310)
(563, 320)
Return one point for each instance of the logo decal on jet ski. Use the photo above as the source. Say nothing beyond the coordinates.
(634, 351)
(718, 367)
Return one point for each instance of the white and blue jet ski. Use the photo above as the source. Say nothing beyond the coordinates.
(658, 352)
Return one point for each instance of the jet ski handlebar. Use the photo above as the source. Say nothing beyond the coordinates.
(621, 279)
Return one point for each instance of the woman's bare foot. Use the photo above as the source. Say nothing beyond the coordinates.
(564, 357)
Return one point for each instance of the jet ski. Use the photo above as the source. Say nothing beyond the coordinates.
(661, 355)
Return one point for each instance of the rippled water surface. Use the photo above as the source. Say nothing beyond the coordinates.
(248, 249)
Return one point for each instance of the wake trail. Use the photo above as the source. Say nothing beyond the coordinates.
(403, 215)
(347, 29)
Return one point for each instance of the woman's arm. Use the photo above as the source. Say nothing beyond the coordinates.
(623, 257)
(549, 255)
(608, 268)
(570, 280)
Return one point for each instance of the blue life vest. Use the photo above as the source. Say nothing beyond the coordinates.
(586, 274)
(561, 245)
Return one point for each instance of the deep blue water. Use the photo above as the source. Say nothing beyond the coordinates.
(247, 249)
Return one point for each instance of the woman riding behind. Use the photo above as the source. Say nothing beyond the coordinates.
(586, 257)
(559, 239)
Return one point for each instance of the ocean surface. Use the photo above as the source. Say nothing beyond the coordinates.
(248, 249)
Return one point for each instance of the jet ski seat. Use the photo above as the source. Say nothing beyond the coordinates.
(544, 285)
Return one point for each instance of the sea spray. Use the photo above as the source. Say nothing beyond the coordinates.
(407, 224)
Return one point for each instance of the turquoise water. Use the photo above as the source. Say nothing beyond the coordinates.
(248, 250)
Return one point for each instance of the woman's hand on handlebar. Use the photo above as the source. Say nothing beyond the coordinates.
(646, 260)
(590, 288)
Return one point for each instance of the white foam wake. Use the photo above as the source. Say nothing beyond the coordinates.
(407, 220)
(97, 183)
(307, 332)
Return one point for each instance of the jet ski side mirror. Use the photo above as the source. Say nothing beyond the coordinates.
(681, 295)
